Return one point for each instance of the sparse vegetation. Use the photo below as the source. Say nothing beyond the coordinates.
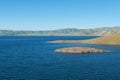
(64, 32)
(113, 39)
(79, 50)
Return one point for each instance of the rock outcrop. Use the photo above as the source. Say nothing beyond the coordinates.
(80, 50)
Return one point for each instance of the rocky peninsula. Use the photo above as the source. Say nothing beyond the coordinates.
(113, 39)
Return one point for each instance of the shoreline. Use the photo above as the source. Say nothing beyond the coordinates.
(80, 42)
(80, 50)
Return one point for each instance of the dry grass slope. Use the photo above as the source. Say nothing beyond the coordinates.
(113, 39)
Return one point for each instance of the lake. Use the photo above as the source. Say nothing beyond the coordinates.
(32, 58)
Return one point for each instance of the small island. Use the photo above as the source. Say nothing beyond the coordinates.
(79, 50)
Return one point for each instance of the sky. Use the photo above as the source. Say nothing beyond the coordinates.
(58, 14)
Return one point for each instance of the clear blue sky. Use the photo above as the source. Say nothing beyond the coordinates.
(56, 14)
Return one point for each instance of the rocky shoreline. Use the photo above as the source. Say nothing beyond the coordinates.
(78, 50)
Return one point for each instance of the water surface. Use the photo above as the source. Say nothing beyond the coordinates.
(31, 58)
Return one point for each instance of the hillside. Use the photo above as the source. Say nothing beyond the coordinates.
(113, 39)
(64, 32)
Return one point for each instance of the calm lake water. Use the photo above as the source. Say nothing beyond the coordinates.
(31, 58)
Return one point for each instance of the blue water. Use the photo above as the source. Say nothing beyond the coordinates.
(31, 58)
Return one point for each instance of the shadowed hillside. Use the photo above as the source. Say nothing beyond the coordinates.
(64, 32)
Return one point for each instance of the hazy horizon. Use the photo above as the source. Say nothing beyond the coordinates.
(59, 29)
(58, 14)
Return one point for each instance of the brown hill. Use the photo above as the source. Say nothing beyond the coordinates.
(113, 39)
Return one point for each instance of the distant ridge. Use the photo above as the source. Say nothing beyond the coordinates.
(64, 32)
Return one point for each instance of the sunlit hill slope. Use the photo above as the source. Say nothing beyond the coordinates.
(113, 39)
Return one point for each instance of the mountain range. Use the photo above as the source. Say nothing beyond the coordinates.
(64, 32)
